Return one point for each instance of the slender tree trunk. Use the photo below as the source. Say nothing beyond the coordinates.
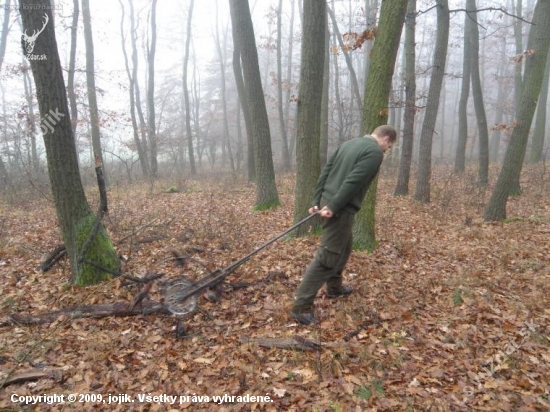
(375, 107)
(151, 126)
(402, 188)
(141, 117)
(225, 137)
(71, 71)
(422, 193)
(539, 42)
(34, 162)
(477, 93)
(460, 159)
(501, 99)
(289, 81)
(353, 77)
(90, 80)
(518, 36)
(325, 100)
(266, 190)
(309, 108)
(131, 80)
(537, 146)
(282, 126)
(75, 218)
(186, 92)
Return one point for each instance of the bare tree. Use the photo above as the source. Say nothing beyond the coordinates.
(422, 192)
(151, 120)
(186, 91)
(535, 63)
(91, 253)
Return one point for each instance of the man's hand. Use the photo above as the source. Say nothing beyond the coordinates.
(324, 212)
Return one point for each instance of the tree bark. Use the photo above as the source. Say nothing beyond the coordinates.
(325, 100)
(375, 107)
(266, 191)
(90, 80)
(422, 193)
(539, 42)
(75, 217)
(309, 109)
(402, 188)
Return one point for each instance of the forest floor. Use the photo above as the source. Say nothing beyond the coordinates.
(459, 309)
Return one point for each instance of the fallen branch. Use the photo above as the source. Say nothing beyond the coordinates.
(55, 374)
(87, 311)
(53, 258)
(295, 342)
(375, 321)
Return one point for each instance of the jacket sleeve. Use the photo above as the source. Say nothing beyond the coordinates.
(319, 188)
(363, 171)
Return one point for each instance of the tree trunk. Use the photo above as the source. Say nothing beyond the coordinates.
(518, 36)
(477, 93)
(90, 80)
(375, 107)
(309, 109)
(73, 212)
(186, 92)
(537, 145)
(239, 81)
(151, 126)
(500, 104)
(353, 77)
(539, 42)
(422, 193)
(289, 82)
(71, 71)
(402, 188)
(325, 101)
(34, 162)
(460, 159)
(142, 124)
(282, 126)
(266, 191)
(131, 80)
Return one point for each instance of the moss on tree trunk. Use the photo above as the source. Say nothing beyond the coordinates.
(101, 252)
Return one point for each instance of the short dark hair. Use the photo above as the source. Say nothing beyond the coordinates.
(386, 130)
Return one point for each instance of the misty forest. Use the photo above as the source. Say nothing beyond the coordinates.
(157, 163)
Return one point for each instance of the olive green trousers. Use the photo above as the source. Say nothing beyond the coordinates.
(329, 262)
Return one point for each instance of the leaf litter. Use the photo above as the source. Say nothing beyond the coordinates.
(449, 290)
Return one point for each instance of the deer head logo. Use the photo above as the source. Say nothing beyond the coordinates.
(30, 40)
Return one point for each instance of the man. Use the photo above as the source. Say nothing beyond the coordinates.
(339, 193)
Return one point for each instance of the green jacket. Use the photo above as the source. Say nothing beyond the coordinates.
(346, 177)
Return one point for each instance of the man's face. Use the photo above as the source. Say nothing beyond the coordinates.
(386, 143)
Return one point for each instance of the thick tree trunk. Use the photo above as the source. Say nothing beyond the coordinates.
(402, 188)
(186, 92)
(151, 120)
(90, 80)
(539, 42)
(375, 107)
(266, 191)
(477, 93)
(74, 215)
(309, 109)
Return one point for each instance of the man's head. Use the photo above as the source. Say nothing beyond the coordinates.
(386, 136)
